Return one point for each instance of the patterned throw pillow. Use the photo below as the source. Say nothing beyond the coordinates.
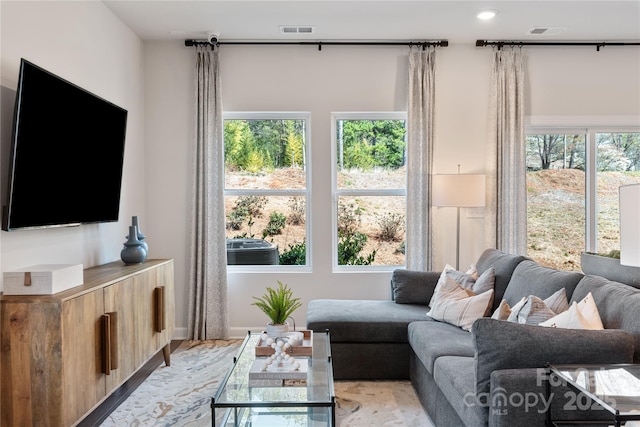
(581, 315)
(458, 306)
(468, 280)
(532, 310)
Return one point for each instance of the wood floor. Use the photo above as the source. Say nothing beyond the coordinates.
(99, 414)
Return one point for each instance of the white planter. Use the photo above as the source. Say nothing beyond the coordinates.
(276, 331)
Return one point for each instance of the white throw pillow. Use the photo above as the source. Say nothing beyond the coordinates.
(468, 280)
(459, 306)
(581, 315)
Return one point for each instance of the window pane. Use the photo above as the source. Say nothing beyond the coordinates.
(556, 199)
(265, 189)
(618, 163)
(371, 230)
(370, 154)
(274, 221)
(262, 154)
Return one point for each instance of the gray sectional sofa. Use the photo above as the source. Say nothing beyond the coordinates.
(460, 376)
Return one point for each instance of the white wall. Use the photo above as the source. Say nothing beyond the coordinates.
(86, 44)
(560, 82)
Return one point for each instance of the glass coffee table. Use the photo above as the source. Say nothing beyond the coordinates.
(615, 388)
(237, 403)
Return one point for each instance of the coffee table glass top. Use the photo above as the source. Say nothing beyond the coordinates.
(310, 405)
(615, 387)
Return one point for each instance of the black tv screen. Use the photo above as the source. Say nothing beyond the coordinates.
(67, 154)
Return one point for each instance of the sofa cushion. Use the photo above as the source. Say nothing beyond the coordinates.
(530, 278)
(503, 265)
(496, 348)
(364, 320)
(617, 305)
(454, 377)
(413, 287)
(431, 340)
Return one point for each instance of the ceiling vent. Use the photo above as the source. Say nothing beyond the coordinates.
(297, 29)
(546, 31)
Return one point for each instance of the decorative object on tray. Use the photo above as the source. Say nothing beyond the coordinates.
(278, 304)
(300, 343)
(289, 368)
(278, 383)
(134, 251)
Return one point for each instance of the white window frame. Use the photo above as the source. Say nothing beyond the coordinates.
(306, 192)
(337, 193)
(591, 188)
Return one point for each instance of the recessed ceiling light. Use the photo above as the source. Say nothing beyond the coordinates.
(486, 14)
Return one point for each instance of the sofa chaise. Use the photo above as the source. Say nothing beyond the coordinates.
(472, 377)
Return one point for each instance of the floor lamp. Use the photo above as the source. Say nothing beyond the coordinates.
(459, 191)
(630, 225)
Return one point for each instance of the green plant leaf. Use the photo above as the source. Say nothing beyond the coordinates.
(278, 304)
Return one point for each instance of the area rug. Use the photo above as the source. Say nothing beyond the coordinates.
(180, 395)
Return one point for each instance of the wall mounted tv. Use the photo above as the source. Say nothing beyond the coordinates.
(66, 157)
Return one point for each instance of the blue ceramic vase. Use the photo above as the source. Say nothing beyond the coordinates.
(134, 251)
(141, 237)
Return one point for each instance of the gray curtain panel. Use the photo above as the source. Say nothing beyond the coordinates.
(506, 221)
(420, 158)
(208, 313)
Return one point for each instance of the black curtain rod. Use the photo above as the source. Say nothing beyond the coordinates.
(598, 45)
(424, 44)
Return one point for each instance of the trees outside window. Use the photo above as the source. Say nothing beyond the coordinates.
(369, 189)
(573, 178)
(266, 188)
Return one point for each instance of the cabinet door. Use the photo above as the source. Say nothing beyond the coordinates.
(31, 363)
(121, 299)
(146, 343)
(165, 280)
(83, 381)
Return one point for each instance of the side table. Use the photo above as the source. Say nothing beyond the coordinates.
(616, 388)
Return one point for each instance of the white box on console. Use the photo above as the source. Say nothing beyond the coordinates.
(44, 279)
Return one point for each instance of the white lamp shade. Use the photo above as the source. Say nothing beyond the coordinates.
(463, 191)
(630, 225)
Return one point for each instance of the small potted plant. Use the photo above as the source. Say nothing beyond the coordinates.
(278, 304)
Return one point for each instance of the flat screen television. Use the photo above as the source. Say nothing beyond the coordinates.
(67, 154)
